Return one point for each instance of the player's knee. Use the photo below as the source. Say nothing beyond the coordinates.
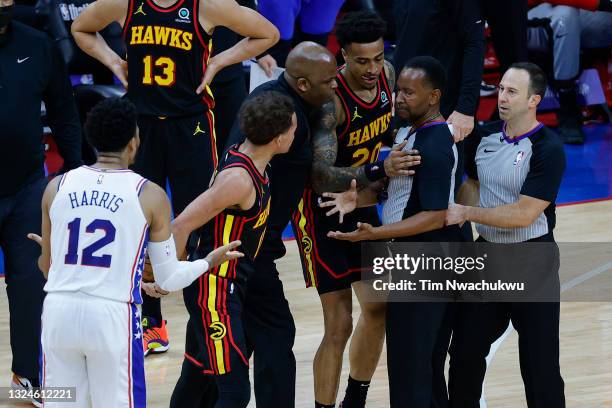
(340, 330)
(374, 313)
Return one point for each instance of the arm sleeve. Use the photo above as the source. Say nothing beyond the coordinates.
(170, 273)
(62, 112)
(546, 171)
(435, 172)
(471, 29)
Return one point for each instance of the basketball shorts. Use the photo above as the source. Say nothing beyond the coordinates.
(95, 345)
(215, 340)
(327, 263)
(180, 150)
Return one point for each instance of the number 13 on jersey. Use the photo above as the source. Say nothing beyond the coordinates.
(165, 71)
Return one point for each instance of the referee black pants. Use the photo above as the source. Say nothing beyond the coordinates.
(417, 344)
(478, 325)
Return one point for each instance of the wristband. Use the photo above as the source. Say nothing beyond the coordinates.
(375, 171)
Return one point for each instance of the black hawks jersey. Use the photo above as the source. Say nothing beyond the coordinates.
(361, 136)
(167, 53)
(249, 226)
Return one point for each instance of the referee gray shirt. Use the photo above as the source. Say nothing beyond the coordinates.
(531, 164)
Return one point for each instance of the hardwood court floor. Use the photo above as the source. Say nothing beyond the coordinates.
(586, 336)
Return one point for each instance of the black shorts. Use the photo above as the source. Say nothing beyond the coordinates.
(328, 264)
(181, 150)
(215, 340)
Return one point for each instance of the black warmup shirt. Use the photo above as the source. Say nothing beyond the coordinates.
(31, 71)
(289, 172)
(451, 31)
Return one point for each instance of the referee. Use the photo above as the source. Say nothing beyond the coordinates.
(520, 165)
(417, 332)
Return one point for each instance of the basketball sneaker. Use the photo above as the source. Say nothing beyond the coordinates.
(22, 383)
(154, 339)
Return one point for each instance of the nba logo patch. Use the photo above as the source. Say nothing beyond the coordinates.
(519, 157)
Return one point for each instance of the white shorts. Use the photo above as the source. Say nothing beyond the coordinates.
(95, 345)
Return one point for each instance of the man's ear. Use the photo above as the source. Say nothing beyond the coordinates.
(303, 84)
(534, 100)
(134, 144)
(434, 97)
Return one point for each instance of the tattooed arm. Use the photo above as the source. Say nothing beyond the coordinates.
(390, 75)
(326, 177)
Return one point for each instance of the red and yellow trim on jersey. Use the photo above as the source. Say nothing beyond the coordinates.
(213, 298)
(302, 224)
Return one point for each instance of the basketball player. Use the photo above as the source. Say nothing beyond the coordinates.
(96, 226)
(168, 49)
(346, 143)
(415, 212)
(514, 210)
(236, 206)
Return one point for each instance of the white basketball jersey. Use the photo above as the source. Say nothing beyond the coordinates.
(99, 234)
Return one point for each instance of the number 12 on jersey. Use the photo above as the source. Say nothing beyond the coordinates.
(87, 256)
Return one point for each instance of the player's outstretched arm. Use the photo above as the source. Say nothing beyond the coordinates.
(260, 34)
(85, 29)
(44, 260)
(346, 202)
(170, 273)
(232, 188)
(417, 224)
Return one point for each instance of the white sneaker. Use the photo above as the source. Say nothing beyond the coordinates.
(22, 383)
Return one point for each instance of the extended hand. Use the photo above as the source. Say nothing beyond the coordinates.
(153, 289)
(363, 232)
(398, 162)
(223, 254)
(341, 203)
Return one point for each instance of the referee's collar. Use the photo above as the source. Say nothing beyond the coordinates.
(520, 137)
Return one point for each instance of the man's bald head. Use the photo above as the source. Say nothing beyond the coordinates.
(311, 71)
(308, 57)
